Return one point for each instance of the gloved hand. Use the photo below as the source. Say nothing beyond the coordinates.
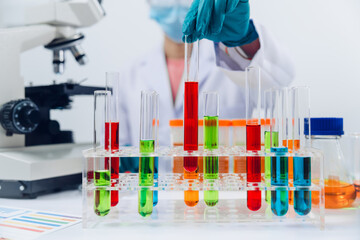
(225, 21)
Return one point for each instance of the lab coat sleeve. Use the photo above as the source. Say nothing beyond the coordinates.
(276, 65)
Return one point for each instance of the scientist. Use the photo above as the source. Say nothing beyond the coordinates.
(231, 42)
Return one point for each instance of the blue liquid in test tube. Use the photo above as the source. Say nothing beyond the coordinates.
(279, 178)
(155, 193)
(302, 177)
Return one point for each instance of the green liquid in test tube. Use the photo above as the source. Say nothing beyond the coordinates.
(101, 165)
(268, 146)
(211, 142)
(102, 200)
(146, 178)
(148, 137)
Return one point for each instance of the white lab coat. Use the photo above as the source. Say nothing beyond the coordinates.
(150, 73)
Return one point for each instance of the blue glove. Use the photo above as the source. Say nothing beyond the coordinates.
(225, 21)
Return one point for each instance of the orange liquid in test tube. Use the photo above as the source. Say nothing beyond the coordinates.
(191, 197)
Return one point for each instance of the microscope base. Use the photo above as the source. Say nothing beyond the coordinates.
(28, 172)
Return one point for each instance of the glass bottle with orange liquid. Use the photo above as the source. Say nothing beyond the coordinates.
(325, 135)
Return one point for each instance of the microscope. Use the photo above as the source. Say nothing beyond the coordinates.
(36, 157)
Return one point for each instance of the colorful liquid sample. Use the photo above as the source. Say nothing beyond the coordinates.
(191, 197)
(357, 188)
(211, 132)
(112, 129)
(114, 178)
(147, 146)
(268, 145)
(156, 178)
(253, 137)
(279, 177)
(146, 178)
(211, 164)
(253, 166)
(338, 194)
(102, 199)
(302, 177)
(211, 173)
(191, 116)
(191, 164)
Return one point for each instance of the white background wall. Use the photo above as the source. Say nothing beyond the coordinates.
(323, 36)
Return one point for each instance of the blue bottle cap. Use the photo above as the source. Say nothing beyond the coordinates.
(324, 126)
(279, 150)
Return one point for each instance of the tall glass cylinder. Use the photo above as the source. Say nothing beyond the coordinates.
(253, 134)
(191, 95)
(300, 116)
(211, 142)
(149, 115)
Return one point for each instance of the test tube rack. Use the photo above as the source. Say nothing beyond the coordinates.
(232, 187)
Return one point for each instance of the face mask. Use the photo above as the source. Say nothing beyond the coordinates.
(170, 19)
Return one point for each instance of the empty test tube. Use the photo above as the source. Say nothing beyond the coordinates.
(149, 115)
(253, 135)
(211, 142)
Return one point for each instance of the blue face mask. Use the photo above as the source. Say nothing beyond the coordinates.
(170, 19)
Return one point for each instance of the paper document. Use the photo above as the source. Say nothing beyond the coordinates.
(16, 223)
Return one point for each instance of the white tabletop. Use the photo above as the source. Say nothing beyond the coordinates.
(340, 224)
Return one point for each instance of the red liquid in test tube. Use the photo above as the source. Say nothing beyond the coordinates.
(191, 124)
(253, 136)
(253, 166)
(114, 144)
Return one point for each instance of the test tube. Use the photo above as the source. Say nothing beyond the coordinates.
(253, 135)
(279, 162)
(112, 130)
(112, 125)
(300, 112)
(211, 142)
(101, 165)
(101, 115)
(271, 140)
(191, 95)
(149, 115)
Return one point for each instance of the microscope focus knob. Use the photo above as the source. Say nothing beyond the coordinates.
(19, 116)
